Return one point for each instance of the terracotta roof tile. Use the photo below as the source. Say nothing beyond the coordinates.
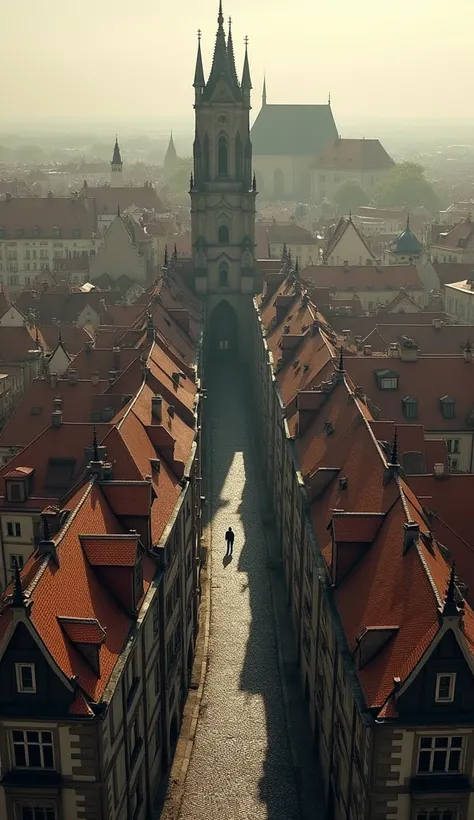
(69, 214)
(363, 277)
(110, 551)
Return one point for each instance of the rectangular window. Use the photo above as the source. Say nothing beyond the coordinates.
(33, 750)
(25, 678)
(440, 755)
(437, 813)
(445, 687)
(14, 529)
(36, 811)
(389, 384)
(19, 561)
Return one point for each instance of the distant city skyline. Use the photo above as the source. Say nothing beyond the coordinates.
(117, 61)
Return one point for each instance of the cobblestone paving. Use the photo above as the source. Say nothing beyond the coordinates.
(241, 764)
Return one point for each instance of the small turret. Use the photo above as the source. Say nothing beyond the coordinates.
(199, 81)
(246, 80)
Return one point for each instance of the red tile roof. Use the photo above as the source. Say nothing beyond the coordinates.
(427, 380)
(458, 238)
(79, 592)
(110, 550)
(431, 340)
(363, 277)
(69, 214)
(107, 199)
(33, 413)
(380, 580)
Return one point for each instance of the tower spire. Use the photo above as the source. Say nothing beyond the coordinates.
(116, 167)
(264, 91)
(230, 55)
(199, 81)
(246, 81)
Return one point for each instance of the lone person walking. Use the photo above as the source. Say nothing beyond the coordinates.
(229, 537)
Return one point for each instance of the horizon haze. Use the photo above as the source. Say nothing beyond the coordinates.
(337, 49)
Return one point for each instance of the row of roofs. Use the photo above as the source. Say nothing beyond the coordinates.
(387, 533)
(94, 458)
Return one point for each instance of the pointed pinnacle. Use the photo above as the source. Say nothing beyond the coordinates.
(95, 444)
(341, 360)
(450, 606)
(394, 453)
(17, 598)
(220, 18)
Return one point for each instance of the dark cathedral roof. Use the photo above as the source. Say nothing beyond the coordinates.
(293, 130)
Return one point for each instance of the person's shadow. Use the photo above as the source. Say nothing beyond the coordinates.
(226, 560)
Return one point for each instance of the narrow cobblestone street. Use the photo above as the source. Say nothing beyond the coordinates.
(241, 765)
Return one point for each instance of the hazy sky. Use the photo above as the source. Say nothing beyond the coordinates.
(95, 59)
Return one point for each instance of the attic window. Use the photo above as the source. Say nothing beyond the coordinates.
(16, 491)
(25, 678)
(410, 407)
(445, 687)
(35, 231)
(387, 379)
(56, 231)
(447, 407)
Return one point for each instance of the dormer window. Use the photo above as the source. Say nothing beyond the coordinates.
(25, 678)
(387, 379)
(447, 407)
(56, 232)
(35, 231)
(445, 687)
(410, 407)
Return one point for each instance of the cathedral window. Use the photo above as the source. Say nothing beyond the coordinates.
(223, 275)
(238, 157)
(223, 235)
(222, 157)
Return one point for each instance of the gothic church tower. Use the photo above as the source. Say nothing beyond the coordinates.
(222, 188)
(116, 168)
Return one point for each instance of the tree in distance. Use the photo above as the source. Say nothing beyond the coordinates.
(407, 186)
(350, 196)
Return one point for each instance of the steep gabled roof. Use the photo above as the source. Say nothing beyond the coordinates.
(292, 130)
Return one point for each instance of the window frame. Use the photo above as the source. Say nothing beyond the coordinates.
(433, 749)
(20, 686)
(26, 743)
(452, 687)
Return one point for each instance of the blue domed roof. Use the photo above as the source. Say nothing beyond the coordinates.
(407, 243)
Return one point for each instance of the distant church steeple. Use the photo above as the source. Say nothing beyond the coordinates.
(171, 157)
(264, 92)
(116, 166)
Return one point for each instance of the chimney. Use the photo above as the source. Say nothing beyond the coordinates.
(95, 378)
(408, 349)
(57, 403)
(437, 323)
(171, 410)
(112, 377)
(439, 470)
(57, 418)
(367, 350)
(467, 352)
(53, 380)
(411, 531)
(116, 357)
(72, 376)
(157, 408)
(393, 350)
(89, 346)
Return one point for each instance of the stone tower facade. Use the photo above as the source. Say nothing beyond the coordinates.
(222, 186)
(116, 168)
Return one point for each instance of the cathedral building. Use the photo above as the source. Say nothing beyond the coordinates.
(223, 192)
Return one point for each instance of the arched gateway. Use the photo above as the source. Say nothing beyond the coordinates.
(223, 329)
